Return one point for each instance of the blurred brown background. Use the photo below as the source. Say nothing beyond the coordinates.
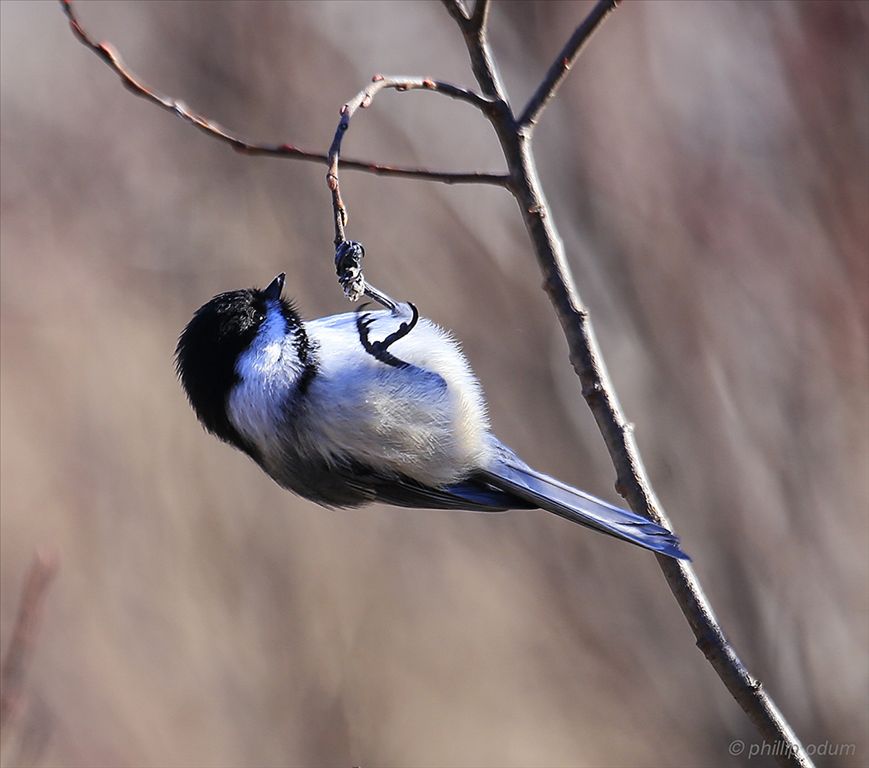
(707, 167)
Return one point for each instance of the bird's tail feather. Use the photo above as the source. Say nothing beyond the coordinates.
(509, 473)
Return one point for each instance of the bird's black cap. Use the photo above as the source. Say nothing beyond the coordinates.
(209, 346)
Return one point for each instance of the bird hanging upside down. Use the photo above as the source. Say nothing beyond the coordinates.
(343, 420)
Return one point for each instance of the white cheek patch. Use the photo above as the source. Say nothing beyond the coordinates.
(269, 370)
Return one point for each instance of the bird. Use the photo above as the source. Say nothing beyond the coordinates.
(344, 420)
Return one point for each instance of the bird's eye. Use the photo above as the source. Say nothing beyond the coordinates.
(260, 317)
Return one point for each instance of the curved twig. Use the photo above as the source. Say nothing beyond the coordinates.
(113, 60)
(632, 482)
(361, 101)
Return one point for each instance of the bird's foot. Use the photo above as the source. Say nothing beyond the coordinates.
(380, 349)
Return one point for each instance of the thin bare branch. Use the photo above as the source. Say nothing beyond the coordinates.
(361, 101)
(13, 670)
(480, 54)
(113, 60)
(632, 482)
(564, 61)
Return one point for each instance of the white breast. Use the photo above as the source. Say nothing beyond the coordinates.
(268, 371)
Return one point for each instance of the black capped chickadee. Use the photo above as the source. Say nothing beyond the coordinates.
(343, 420)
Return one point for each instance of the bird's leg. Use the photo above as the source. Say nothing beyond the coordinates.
(348, 265)
(380, 349)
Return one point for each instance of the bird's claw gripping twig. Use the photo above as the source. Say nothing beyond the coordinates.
(348, 266)
(380, 349)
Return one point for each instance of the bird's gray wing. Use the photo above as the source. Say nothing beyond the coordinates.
(474, 494)
(512, 475)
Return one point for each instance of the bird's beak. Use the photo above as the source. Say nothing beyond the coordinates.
(275, 287)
